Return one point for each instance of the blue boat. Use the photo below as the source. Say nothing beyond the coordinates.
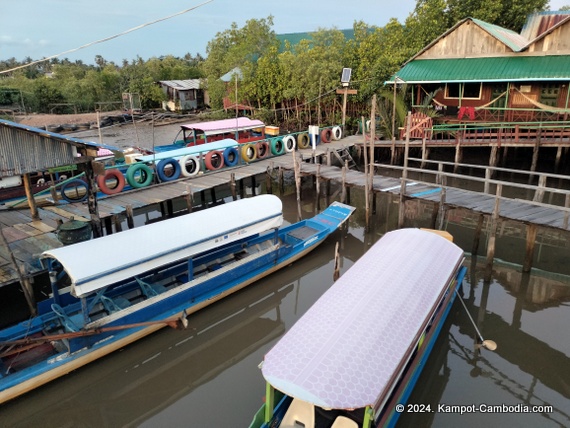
(114, 290)
(354, 357)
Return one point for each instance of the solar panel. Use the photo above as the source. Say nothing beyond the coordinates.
(346, 72)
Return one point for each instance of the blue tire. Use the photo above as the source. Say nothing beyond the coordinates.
(71, 193)
(231, 156)
(162, 166)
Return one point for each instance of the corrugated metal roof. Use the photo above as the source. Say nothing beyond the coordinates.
(229, 76)
(25, 149)
(182, 85)
(538, 23)
(510, 38)
(496, 69)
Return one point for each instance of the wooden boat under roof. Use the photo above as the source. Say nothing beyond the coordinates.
(359, 349)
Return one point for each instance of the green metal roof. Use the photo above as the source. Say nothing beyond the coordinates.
(510, 38)
(496, 69)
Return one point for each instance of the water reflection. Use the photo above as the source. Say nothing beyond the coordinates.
(208, 376)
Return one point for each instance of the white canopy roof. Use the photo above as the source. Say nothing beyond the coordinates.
(345, 350)
(98, 263)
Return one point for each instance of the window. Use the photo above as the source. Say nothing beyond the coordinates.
(470, 90)
(549, 94)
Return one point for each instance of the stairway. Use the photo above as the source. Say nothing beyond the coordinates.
(343, 155)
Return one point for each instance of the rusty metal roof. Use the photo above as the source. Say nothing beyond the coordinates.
(25, 149)
(510, 38)
(494, 69)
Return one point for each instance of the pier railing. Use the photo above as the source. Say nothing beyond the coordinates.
(502, 132)
(532, 188)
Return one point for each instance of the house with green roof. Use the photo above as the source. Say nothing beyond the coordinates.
(477, 71)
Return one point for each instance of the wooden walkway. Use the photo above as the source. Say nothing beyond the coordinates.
(28, 239)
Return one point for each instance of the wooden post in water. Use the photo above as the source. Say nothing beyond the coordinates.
(336, 273)
(566, 214)
(233, 186)
(366, 166)
(531, 231)
(477, 236)
(117, 223)
(268, 186)
(442, 203)
(539, 193)
(402, 208)
(297, 171)
(425, 153)
(493, 158)
(488, 173)
(281, 181)
(343, 194)
(318, 186)
(535, 154)
(129, 214)
(458, 155)
(189, 197)
(493, 231)
(92, 199)
(558, 157)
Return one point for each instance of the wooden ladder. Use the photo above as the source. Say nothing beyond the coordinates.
(344, 155)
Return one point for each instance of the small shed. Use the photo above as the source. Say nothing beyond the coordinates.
(184, 95)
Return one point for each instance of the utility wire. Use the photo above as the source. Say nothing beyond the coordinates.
(106, 39)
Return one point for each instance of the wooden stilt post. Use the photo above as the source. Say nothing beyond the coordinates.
(343, 194)
(241, 189)
(281, 181)
(558, 157)
(30, 196)
(535, 154)
(108, 226)
(531, 231)
(458, 155)
(297, 171)
(253, 185)
(336, 273)
(130, 215)
(477, 236)
(566, 214)
(92, 200)
(233, 186)
(487, 179)
(442, 203)
(366, 166)
(402, 208)
(493, 158)
(117, 223)
(189, 197)
(493, 231)
(318, 186)
(268, 186)
(424, 153)
(539, 193)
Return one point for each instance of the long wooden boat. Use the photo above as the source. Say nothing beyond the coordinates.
(149, 277)
(357, 352)
(241, 129)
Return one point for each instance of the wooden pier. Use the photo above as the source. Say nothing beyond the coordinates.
(28, 238)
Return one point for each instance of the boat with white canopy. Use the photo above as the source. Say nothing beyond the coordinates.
(137, 281)
(358, 351)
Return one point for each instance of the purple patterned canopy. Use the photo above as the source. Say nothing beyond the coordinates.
(344, 351)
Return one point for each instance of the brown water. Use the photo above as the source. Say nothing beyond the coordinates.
(207, 376)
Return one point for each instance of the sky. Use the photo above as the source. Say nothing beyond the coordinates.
(42, 28)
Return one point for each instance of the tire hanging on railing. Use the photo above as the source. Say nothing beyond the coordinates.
(111, 174)
(290, 143)
(303, 140)
(277, 146)
(214, 160)
(139, 175)
(189, 165)
(262, 149)
(69, 191)
(249, 152)
(231, 156)
(164, 166)
(337, 133)
(326, 135)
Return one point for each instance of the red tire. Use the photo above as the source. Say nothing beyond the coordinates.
(326, 135)
(111, 174)
(214, 160)
(262, 149)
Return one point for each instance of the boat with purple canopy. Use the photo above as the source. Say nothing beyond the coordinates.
(359, 350)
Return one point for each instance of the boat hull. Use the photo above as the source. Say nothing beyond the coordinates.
(157, 312)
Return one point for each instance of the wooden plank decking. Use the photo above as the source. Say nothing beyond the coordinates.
(27, 238)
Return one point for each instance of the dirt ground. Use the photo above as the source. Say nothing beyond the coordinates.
(60, 119)
(122, 135)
